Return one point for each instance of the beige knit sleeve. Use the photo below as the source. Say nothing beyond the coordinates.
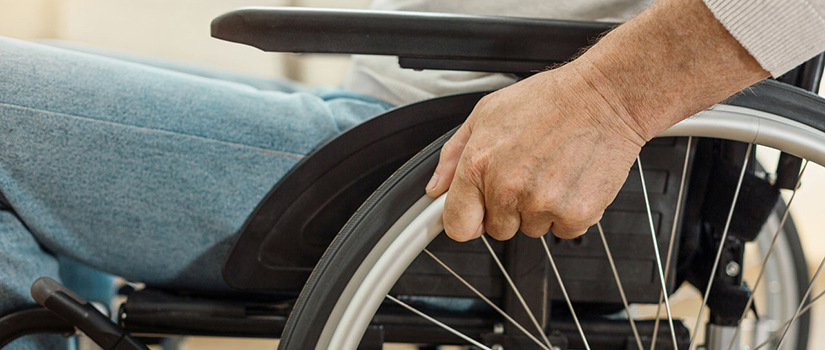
(780, 34)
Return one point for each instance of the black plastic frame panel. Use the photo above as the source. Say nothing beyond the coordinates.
(285, 236)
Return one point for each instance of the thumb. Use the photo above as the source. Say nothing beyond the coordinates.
(448, 162)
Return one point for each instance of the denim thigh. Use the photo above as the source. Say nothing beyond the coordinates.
(140, 171)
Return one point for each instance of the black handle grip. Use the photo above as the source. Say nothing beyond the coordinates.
(82, 314)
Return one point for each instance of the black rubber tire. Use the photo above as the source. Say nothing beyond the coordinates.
(406, 186)
(353, 243)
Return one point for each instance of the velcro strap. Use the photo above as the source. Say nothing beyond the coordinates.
(755, 204)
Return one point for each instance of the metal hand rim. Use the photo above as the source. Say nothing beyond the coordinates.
(422, 222)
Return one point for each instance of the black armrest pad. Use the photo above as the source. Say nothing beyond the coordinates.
(414, 35)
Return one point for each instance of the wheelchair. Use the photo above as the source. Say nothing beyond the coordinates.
(346, 252)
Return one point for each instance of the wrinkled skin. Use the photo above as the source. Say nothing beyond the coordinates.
(534, 162)
(552, 151)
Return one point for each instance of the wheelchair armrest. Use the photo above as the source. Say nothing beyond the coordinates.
(421, 40)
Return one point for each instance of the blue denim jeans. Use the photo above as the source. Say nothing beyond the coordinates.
(142, 169)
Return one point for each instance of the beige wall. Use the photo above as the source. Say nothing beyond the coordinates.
(27, 19)
(177, 30)
(807, 210)
(174, 29)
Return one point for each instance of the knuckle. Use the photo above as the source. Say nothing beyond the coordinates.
(581, 214)
(575, 215)
(533, 231)
(478, 159)
(457, 232)
(500, 230)
(451, 146)
(576, 221)
(476, 165)
(455, 236)
(569, 233)
(506, 195)
(485, 100)
(508, 191)
(541, 204)
(501, 235)
(457, 225)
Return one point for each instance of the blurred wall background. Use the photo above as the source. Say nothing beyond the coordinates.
(177, 30)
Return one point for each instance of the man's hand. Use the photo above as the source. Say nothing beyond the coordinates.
(534, 160)
(551, 152)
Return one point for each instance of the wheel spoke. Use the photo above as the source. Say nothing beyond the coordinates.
(516, 291)
(768, 255)
(801, 304)
(804, 310)
(564, 292)
(721, 246)
(670, 243)
(486, 300)
(619, 284)
(656, 251)
(440, 324)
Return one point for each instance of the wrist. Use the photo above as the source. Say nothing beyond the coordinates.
(668, 63)
(613, 98)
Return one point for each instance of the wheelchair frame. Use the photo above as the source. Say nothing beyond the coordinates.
(317, 197)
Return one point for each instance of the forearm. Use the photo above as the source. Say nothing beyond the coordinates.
(668, 63)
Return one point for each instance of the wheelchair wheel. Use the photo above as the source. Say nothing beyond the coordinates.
(398, 222)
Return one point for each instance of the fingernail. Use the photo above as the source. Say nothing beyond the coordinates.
(433, 183)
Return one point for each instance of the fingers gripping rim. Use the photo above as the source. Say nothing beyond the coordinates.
(802, 136)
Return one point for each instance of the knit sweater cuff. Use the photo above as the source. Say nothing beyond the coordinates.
(779, 34)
